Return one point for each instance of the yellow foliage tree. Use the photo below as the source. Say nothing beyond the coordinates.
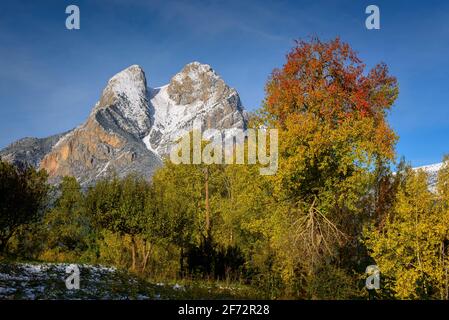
(411, 249)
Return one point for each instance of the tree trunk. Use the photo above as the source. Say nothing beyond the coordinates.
(207, 203)
(146, 255)
(181, 262)
(133, 253)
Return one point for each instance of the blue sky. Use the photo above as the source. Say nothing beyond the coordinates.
(51, 77)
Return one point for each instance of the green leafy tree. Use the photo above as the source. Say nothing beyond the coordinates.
(23, 198)
(181, 193)
(67, 229)
(119, 206)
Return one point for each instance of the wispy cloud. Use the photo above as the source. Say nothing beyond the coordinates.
(214, 18)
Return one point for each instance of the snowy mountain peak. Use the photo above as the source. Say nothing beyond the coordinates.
(195, 97)
(133, 126)
(195, 83)
(194, 70)
(129, 83)
(124, 99)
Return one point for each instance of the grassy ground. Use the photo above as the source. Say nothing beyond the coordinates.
(47, 281)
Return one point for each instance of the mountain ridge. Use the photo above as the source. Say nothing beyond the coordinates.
(132, 126)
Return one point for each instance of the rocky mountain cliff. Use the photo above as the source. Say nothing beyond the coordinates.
(132, 126)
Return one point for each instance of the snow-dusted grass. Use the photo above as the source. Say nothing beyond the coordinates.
(46, 281)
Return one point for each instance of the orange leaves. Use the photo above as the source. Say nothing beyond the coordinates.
(328, 78)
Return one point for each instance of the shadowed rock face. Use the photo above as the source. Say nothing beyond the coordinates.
(132, 126)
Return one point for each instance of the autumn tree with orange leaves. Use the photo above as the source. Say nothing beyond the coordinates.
(333, 133)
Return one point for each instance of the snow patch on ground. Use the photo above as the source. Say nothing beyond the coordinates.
(47, 281)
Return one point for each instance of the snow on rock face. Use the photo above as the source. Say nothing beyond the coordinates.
(125, 98)
(195, 97)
